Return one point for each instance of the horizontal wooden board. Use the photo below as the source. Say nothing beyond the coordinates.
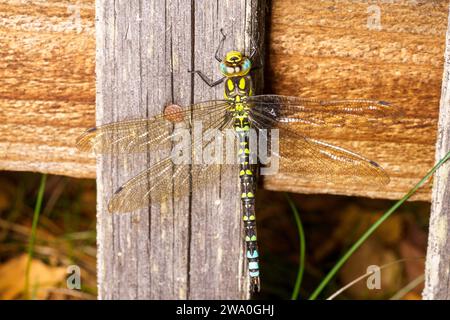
(47, 85)
(317, 49)
(333, 50)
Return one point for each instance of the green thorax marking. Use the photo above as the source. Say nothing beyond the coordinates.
(238, 88)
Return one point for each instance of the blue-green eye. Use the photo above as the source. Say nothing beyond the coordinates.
(246, 64)
(223, 68)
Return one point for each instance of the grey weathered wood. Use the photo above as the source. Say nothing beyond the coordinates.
(437, 271)
(183, 248)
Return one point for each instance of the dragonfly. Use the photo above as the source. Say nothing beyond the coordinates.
(295, 120)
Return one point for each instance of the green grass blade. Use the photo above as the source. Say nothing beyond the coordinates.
(372, 229)
(410, 286)
(37, 211)
(301, 234)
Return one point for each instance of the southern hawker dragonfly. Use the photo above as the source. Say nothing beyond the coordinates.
(293, 118)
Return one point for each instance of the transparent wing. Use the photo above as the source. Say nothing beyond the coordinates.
(142, 135)
(171, 177)
(300, 155)
(160, 181)
(322, 113)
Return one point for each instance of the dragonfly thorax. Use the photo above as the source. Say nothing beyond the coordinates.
(235, 64)
(238, 89)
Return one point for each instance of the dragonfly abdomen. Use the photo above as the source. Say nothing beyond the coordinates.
(237, 89)
(247, 181)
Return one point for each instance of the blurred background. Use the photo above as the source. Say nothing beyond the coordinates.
(66, 236)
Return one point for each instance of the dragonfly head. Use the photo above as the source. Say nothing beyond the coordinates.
(235, 64)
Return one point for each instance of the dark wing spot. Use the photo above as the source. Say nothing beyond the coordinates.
(118, 190)
(384, 103)
(91, 129)
(374, 164)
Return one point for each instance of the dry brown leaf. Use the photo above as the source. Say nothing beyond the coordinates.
(12, 277)
(372, 253)
(412, 296)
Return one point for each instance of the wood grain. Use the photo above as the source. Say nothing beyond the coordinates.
(437, 272)
(47, 88)
(325, 50)
(318, 49)
(184, 248)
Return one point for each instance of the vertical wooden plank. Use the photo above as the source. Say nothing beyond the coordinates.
(188, 248)
(437, 270)
(218, 208)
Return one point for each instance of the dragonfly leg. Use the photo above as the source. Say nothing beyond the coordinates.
(254, 49)
(206, 79)
(220, 47)
(256, 68)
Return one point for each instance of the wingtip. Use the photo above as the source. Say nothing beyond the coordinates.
(395, 112)
(384, 178)
(112, 207)
(83, 142)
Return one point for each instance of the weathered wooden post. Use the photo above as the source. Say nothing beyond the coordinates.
(188, 248)
(437, 271)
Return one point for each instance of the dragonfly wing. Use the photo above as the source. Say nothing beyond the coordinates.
(300, 155)
(142, 135)
(151, 185)
(323, 113)
(172, 176)
(158, 183)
